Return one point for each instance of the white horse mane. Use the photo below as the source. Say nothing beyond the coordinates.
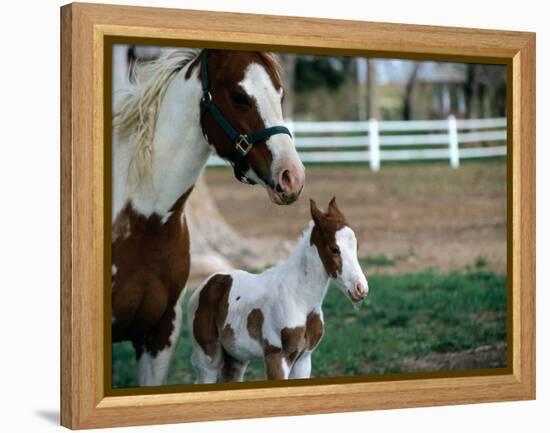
(135, 115)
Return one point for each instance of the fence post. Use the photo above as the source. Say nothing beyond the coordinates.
(454, 156)
(374, 145)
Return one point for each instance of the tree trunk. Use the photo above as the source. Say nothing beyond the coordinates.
(372, 94)
(409, 88)
(361, 76)
(288, 64)
(471, 88)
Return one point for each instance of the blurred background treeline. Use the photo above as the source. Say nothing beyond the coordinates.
(328, 88)
(390, 89)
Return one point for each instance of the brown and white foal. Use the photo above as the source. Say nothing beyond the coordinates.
(237, 316)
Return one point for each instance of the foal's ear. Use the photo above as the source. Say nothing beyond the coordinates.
(316, 213)
(333, 207)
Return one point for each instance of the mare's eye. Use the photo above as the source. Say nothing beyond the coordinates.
(335, 250)
(240, 98)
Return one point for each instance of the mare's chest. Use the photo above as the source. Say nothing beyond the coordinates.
(150, 245)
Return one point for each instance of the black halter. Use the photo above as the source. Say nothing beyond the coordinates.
(243, 142)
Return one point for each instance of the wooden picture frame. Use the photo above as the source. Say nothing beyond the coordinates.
(86, 400)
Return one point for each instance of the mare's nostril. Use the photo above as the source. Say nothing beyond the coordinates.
(289, 182)
(285, 180)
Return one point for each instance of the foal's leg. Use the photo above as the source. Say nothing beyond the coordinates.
(206, 367)
(233, 370)
(302, 367)
(276, 366)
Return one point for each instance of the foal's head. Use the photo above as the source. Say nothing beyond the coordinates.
(247, 89)
(337, 247)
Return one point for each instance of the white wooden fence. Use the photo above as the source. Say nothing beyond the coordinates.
(375, 141)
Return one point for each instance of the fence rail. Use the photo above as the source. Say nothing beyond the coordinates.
(375, 141)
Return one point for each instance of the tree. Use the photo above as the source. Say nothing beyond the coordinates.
(471, 89)
(361, 73)
(288, 65)
(320, 71)
(372, 91)
(409, 88)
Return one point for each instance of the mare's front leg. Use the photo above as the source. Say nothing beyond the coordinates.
(302, 367)
(276, 366)
(154, 362)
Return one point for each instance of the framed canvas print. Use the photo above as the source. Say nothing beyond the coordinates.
(308, 215)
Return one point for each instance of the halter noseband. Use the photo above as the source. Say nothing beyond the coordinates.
(243, 142)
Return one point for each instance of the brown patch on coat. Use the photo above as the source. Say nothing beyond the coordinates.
(226, 70)
(301, 338)
(227, 337)
(294, 342)
(323, 236)
(211, 314)
(152, 261)
(254, 323)
(273, 360)
(314, 330)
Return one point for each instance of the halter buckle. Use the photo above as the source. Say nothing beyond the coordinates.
(239, 145)
(206, 97)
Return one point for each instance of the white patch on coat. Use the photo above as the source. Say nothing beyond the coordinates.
(285, 367)
(258, 85)
(302, 367)
(351, 269)
(180, 152)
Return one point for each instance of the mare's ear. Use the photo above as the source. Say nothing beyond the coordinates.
(316, 213)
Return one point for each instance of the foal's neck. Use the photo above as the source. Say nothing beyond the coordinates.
(180, 152)
(308, 277)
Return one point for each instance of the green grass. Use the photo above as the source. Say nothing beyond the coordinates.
(377, 261)
(387, 261)
(404, 316)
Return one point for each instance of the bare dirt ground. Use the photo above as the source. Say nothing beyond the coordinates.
(417, 215)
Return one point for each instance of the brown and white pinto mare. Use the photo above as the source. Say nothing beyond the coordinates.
(276, 315)
(161, 143)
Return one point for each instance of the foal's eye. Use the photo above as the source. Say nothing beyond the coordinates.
(240, 98)
(335, 250)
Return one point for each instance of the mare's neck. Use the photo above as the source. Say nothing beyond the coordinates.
(180, 152)
(308, 278)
